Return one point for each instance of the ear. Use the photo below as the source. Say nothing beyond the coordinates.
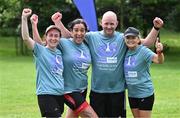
(44, 37)
(100, 23)
(139, 40)
(117, 23)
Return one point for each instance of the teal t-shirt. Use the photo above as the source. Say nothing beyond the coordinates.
(77, 60)
(136, 66)
(49, 67)
(107, 62)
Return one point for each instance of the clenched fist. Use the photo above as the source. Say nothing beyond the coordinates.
(26, 12)
(56, 17)
(158, 22)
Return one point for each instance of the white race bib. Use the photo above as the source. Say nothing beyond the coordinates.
(111, 59)
(132, 73)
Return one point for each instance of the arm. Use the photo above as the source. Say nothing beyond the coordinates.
(24, 28)
(56, 18)
(34, 22)
(159, 57)
(151, 38)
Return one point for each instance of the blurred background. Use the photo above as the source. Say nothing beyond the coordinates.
(137, 13)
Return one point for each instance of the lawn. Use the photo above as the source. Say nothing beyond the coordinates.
(17, 81)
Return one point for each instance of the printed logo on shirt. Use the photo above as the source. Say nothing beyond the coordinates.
(111, 59)
(128, 65)
(82, 55)
(131, 74)
(82, 61)
(57, 67)
(108, 49)
(85, 66)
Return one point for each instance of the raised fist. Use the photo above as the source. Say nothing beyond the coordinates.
(159, 47)
(26, 12)
(34, 19)
(56, 17)
(158, 22)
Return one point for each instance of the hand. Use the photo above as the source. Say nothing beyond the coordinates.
(158, 22)
(159, 47)
(26, 12)
(34, 19)
(56, 17)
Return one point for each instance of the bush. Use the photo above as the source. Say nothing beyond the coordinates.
(8, 32)
(173, 19)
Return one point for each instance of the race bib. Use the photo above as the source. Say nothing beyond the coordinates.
(111, 59)
(132, 73)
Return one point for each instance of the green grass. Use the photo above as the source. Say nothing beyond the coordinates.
(17, 81)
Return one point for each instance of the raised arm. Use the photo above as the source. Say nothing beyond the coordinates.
(159, 57)
(34, 22)
(152, 36)
(24, 28)
(56, 18)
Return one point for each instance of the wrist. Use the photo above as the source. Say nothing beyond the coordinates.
(159, 52)
(34, 24)
(23, 17)
(156, 28)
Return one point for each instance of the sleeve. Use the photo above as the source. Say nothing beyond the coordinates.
(147, 54)
(38, 49)
(88, 37)
(62, 43)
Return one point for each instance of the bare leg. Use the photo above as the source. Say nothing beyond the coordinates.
(135, 113)
(70, 114)
(88, 113)
(145, 114)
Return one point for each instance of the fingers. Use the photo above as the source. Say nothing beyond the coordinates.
(56, 17)
(34, 18)
(159, 47)
(26, 12)
(158, 22)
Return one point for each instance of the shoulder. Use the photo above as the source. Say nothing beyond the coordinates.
(38, 46)
(91, 34)
(64, 39)
(58, 52)
(145, 48)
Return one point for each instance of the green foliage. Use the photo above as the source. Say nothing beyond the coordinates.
(138, 13)
(173, 19)
(46, 8)
(9, 13)
(7, 31)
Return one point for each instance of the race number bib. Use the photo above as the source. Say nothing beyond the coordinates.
(132, 73)
(111, 59)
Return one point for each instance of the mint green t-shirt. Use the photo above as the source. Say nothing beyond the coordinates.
(107, 61)
(77, 60)
(136, 66)
(49, 67)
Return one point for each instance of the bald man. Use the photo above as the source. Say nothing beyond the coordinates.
(107, 47)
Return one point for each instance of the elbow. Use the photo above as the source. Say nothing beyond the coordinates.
(25, 38)
(161, 62)
(146, 43)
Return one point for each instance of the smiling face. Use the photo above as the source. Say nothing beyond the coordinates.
(52, 38)
(132, 42)
(109, 23)
(78, 32)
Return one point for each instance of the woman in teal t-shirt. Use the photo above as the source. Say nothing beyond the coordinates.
(136, 68)
(49, 68)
